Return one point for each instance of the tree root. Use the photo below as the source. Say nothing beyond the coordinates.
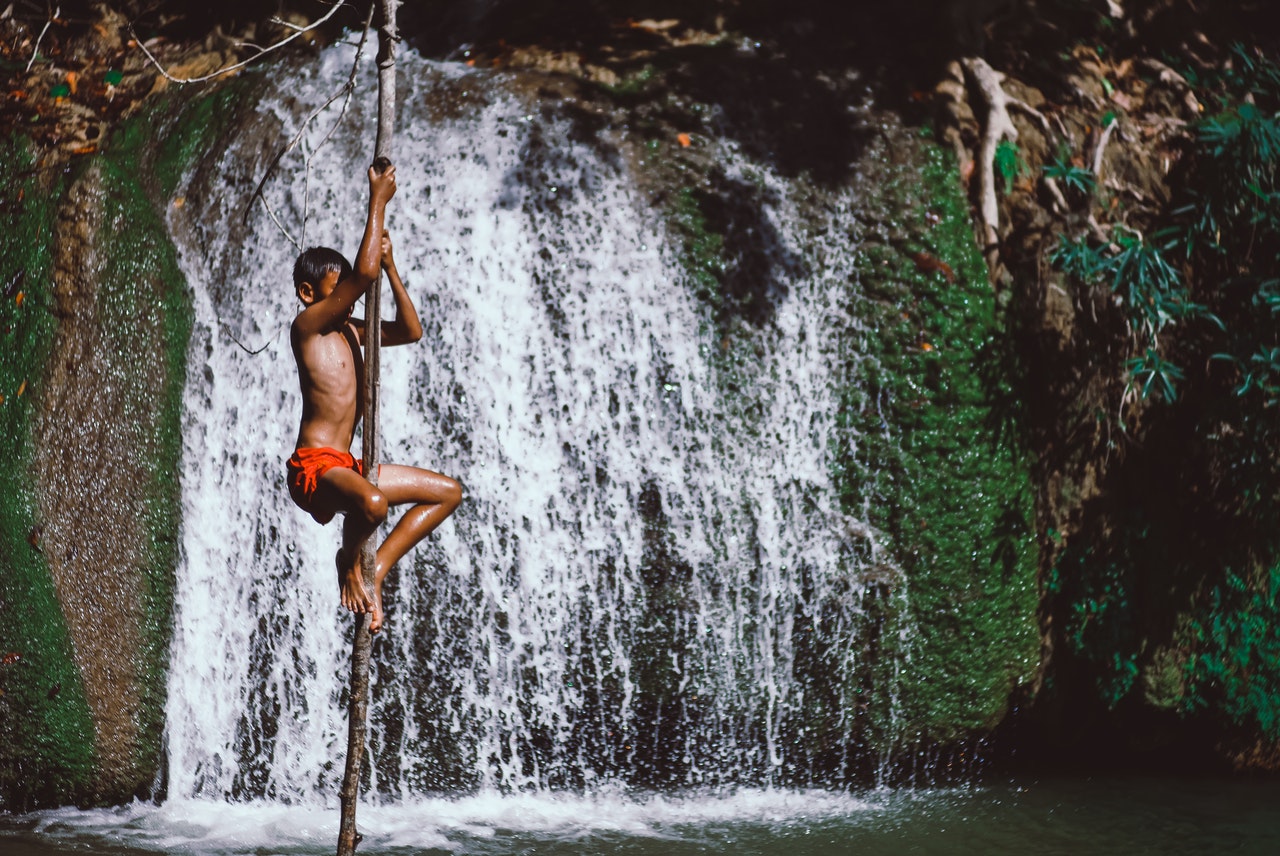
(997, 128)
(1167, 76)
(1102, 147)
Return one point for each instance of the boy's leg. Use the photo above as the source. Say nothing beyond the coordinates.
(433, 497)
(346, 492)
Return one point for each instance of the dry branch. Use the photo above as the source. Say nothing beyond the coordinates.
(35, 51)
(297, 31)
(1102, 147)
(343, 92)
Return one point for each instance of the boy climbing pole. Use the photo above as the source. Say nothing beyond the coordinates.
(324, 478)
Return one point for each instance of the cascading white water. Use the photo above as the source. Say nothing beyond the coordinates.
(648, 546)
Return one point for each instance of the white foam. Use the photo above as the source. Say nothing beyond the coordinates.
(202, 826)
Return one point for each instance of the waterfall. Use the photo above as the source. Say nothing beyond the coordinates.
(651, 580)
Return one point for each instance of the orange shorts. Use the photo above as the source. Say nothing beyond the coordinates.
(305, 469)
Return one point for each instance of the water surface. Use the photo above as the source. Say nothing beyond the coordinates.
(1127, 816)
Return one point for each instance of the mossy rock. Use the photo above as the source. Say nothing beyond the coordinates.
(95, 321)
(946, 478)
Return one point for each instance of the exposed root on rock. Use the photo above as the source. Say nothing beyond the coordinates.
(1102, 148)
(997, 128)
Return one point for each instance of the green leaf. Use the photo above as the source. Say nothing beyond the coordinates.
(1077, 258)
(1155, 374)
(1073, 177)
(1009, 163)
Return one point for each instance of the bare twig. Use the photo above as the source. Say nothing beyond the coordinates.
(297, 31)
(274, 219)
(36, 50)
(345, 93)
(253, 352)
(1095, 228)
(1031, 113)
(1059, 201)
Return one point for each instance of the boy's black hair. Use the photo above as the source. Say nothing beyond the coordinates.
(314, 263)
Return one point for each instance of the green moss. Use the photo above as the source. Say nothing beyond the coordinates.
(171, 134)
(930, 456)
(46, 732)
(934, 462)
(633, 84)
(703, 255)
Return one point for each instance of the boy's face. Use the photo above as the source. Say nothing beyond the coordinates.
(311, 293)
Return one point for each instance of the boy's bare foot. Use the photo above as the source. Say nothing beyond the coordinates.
(351, 585)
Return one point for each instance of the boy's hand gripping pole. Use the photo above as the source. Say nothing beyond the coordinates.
(359, 703)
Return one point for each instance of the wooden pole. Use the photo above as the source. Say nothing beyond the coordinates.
(358, 711)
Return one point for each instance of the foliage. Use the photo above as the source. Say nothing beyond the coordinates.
(1151, 289)
(1009, 163)
(1078, 257)
(1096, 586)
(1232, 219)
(1261, 373)
(1236, 635)
(1249, 73)
(1151, 372)
(1141, 274)
(1227, 229)
(1162, 585)
(1075, 178)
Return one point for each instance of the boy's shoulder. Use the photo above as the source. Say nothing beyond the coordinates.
(296, 329)
(299, 330)
(307, 322)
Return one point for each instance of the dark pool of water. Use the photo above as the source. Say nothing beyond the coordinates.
(1101, 815)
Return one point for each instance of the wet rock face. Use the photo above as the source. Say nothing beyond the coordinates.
(102, 453)
(90, 506)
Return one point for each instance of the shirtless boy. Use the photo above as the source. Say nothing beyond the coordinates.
(324, 478)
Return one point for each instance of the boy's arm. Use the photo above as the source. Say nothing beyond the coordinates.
(407, 327)
(323, 314)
